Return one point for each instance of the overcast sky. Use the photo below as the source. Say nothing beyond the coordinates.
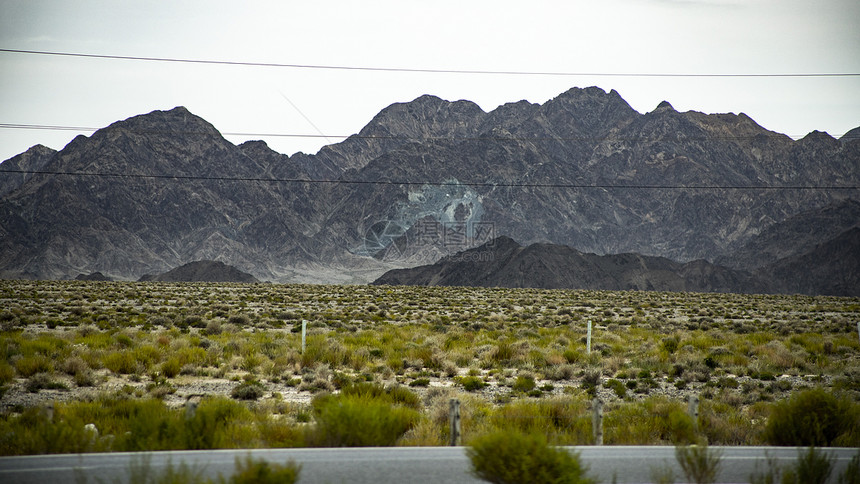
(725, 37)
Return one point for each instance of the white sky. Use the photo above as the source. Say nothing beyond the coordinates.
(607, 36)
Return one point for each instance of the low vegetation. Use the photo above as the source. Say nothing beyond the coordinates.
(223, 364)
(248, 471)
(511, 457)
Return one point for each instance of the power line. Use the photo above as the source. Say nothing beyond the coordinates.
(417, 70)
(90, 129)
(608, 186)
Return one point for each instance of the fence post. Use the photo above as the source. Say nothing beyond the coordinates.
(858, 328)
(48, 411)
(304, 333)
(693, 410)
(454, 419)
(588, 339)
(597, 421)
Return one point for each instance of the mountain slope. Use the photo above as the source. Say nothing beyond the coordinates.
(831, 268)
(504, 263)
(34, 159)
(795, 235)
(160, 195)
(202, 271)
(583, 170)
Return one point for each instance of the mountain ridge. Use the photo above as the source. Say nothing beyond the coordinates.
(562, 172)
(502, 262)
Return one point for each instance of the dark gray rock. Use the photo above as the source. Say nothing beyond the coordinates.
(831, 268)
(504, 263)
(33, 160)
(582, 170)
(795, 235)
(94, 276)
(202, 271)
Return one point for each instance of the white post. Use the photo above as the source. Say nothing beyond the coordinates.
(588, 339)
(597, 421)
(454, 419)
(693, 410)
(304, 334)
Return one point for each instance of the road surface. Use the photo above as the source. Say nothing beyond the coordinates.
(621, 464)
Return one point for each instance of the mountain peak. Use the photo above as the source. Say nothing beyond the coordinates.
(176, 120)
(664, 106)
(851, 135)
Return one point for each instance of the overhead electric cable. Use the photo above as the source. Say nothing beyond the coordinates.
(50, 127)
(410, 183)
(418, 70)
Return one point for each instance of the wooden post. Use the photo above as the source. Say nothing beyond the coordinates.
(304, 334)
(858, 328)
(48, 411)
(597, 420)
(588, 339)
(454, 419)
(693, 411)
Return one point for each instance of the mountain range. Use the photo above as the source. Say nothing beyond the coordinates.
(427, 179)
(502, 262)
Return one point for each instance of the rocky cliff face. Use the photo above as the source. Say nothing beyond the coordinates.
(795, 235)
(19, 169)
(160, 194)
(423, 179)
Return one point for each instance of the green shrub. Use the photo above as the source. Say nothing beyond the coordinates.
(394, 394)
(141, 471)
(7, 373)
(670, 344)
(248, 390)
(214, 425)
(120, 362)
(813, 467)
(699, 463)
(770, 475)
(359, 421)
(503, 353)
(472, 383)
(513, 457)
(32, 433)
(524, 384)
(562, 420)
(253, 471)
(43, 381)
(655, 420)
(28, 366)
(420, 382)
(814, 418)
(171, 368)
(851, 474)
(617, 387)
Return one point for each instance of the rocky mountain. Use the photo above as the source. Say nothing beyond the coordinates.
(202, 271)
(95, 276)
(504, 263)
(831, 268)
(795, 235)
(21, 167)
(424, 179)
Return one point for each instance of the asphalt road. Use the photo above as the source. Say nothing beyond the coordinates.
(622, 464)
